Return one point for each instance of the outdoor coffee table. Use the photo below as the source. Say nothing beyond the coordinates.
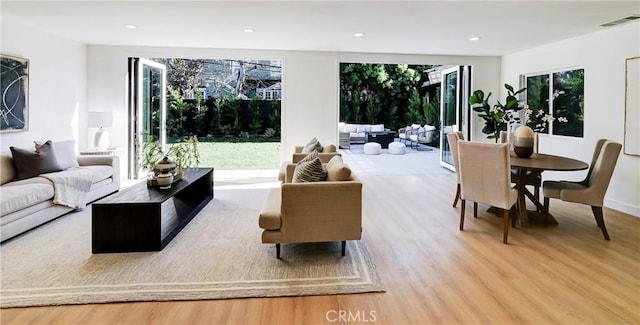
(142, 218)
(383, 138)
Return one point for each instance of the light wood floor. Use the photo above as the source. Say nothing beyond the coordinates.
(433, 273)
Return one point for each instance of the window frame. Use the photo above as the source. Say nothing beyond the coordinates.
(550, 99)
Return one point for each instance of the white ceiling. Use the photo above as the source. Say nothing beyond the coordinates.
(420, 27)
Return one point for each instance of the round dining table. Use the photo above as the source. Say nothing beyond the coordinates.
(532, 167)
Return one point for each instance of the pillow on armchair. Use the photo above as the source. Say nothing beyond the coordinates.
(337, 170)
(312, 146)
(329, 148)
(309, 157)
(310, 171)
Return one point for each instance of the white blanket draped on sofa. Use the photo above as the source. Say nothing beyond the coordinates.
(71, 186)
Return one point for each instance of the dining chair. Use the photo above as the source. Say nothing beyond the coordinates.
(453, 138)
(592, 189)
(485, 178)
(533, 179)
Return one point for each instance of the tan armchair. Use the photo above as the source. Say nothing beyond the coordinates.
(327, 153)
(312, 212)
(485, 178)
(592, 189)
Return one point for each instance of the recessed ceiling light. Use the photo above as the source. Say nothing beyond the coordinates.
(130, 26)
(358, 34)
(475, 38)
(248, 30)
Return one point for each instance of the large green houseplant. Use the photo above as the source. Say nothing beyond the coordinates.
(498, 116)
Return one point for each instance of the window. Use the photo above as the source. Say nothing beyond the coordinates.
(555, 102)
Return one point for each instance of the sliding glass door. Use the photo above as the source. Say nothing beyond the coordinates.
(147, 109)
(455, 111)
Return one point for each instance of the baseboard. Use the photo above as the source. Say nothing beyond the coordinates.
(622, 207)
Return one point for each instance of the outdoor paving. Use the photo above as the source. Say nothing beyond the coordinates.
(413, 162)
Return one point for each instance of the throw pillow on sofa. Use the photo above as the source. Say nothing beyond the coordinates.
(33, 163)
(310, 171)
(65, 152)
(337, 170)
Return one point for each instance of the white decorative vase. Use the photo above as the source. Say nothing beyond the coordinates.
(523, 141)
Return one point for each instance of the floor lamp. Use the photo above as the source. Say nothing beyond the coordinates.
(101, 120)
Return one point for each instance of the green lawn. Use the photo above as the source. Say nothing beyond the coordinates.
(240, 155)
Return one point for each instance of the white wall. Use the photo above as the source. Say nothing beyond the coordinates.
(602, 55)
(57, 84)
(310, 101)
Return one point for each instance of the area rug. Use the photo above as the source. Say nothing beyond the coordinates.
(218, 255)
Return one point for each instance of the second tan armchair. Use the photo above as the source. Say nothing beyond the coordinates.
(313, 211)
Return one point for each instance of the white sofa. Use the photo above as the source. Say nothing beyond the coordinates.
(28, 203)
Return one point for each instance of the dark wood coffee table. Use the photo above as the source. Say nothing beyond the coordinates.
(383, 138)
(142, 218)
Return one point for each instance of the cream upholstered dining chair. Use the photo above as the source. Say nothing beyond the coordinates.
(453, 138)
(592, 189)
(485, 178)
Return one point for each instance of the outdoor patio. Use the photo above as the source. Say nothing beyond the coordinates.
(413, 162)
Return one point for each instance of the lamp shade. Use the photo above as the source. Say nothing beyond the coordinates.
(100, 119)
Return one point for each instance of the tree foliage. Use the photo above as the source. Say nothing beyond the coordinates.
(568, 102)
(184, 74)
(380, 93)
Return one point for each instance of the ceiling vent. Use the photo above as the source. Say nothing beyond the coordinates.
(621, 21)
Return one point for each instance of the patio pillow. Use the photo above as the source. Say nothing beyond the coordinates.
(337, 171)
(310, 171)
(377, 128)
(33, 163)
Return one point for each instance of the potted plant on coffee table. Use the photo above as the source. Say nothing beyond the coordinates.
(180, 156)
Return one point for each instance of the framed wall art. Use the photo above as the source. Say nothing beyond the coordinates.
(14, 91)
(632, 107)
